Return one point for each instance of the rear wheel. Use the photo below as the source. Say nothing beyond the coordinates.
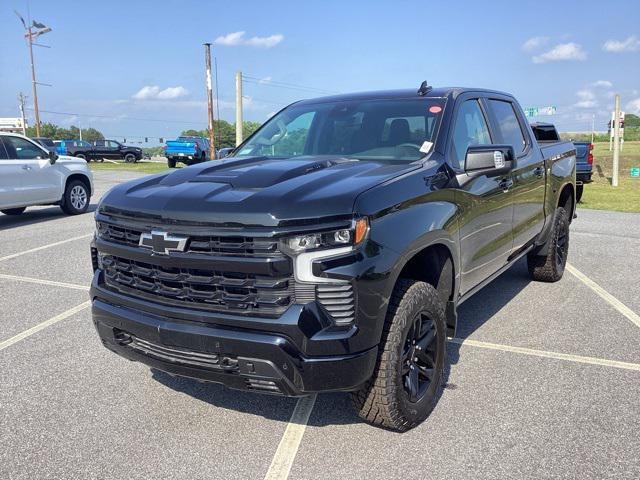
(14, 211)
(579, 190)
(83, 157)
(408, 378)
(550, 267)
(171, 162)
(76, 198)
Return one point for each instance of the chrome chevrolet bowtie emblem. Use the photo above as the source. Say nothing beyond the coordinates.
(162, 243)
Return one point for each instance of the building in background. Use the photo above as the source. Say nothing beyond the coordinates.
(12, 125)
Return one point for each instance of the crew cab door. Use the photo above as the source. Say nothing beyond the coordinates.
(39, 181)
(528, 189)
(113, 149)
(484, 197)
(11, 173)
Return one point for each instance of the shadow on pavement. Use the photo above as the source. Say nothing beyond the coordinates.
(336, 408)
(36, 216)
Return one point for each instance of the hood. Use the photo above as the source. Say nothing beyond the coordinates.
(255, 190)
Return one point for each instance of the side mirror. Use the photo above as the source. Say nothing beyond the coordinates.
(53, 157)
(489, 160)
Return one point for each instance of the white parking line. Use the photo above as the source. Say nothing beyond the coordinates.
(546, 354)
(43, 325)
(37, 249)
(44, 282)
(288, 447)
(613, 301)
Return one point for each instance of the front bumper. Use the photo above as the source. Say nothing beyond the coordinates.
(264, 360)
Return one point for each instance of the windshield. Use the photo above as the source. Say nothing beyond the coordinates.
(397, 130)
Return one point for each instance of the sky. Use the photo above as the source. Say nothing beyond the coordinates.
(135, 69)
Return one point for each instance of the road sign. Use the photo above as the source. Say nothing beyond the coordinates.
(536, 111)
(635, 172)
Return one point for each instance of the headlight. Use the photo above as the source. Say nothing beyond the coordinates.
(326, 240)
(308, 248)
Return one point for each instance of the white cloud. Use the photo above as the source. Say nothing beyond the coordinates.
(173, 92)
(631, 44)
(563, 51)
(634, 106)
(238, 38)
(534, 43)
(602, 84)
(153, 92)
(587, 99)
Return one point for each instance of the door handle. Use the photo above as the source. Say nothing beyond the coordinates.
(26, 167)
(505, 184)
(539, 172)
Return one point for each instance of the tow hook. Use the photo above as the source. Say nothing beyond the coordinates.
(228, 363)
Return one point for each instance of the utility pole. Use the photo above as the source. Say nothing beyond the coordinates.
(22, 98)
(30, 35)
(33, 82)
(238, 108)
(616, 142)
(207, 61)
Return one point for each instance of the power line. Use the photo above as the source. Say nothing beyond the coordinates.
(287, 85)
(118, 118)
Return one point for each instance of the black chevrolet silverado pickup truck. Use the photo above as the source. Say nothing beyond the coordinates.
(331, 250)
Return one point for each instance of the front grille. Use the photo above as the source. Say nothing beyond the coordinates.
(338, 300)
(205, 289)
(206, 244)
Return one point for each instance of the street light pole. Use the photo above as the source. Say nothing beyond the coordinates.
(22, 98)
(29, 36)
(30, 32)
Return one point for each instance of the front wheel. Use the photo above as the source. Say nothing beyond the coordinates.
(76, 198)
(550, 267)
(14, 211)
(130, 158)
(408, 378)
(83, 157)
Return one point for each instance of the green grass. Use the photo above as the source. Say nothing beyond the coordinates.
(142, 167)
(600, 195)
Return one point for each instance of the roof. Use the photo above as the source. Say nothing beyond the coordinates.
(438, 92)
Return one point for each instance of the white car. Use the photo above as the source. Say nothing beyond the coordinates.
(31, 175)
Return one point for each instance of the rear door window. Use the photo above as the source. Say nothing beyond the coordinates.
(508, 125)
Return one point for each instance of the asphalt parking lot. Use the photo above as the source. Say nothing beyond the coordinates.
(544, 380)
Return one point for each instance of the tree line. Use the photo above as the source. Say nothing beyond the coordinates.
(56, 132)
(224, 132)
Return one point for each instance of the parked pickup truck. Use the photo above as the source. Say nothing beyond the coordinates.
(331, 251)
(101, 149)
(31, 175)
(546, 132)
(188, 150)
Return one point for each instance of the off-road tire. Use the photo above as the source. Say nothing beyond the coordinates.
(579, 190)
(383, 401)
(14, 211)
(550, 267)
(70, 204)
